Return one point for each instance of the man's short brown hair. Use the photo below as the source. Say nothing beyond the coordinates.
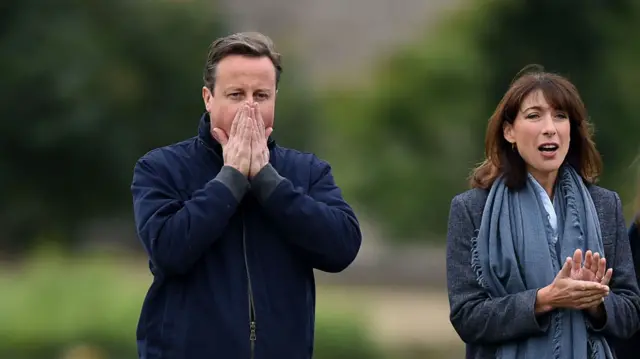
(252, 44)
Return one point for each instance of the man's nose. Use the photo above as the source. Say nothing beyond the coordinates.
(252, 98)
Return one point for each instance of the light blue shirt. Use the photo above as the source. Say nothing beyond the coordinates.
(549, 208)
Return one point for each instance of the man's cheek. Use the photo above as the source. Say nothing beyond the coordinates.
(267, 118)
(229, 116)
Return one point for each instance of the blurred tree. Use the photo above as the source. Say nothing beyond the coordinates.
(87, 88)
(587, 42)
(417, 132)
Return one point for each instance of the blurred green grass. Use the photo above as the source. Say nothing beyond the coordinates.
(54, 302)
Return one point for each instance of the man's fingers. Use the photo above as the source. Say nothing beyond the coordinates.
(246, 137)
(238, 128)
(260, 122)
(248, 128)
(243, 128)
(268, 132)
(251, 112)
(220, 136)
(255, 139)
(236, 121)
(254, 126)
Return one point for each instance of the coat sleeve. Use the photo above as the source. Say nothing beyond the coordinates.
(319, 222)
(477, 318)
(622, 305)
(628, 349)
(634, 243)
(174, 232)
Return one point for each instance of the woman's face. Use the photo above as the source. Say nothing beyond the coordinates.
(541, 135)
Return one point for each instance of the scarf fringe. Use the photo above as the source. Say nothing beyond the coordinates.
(475, 263)
(557, 335)
(570, 196)
(593, 349)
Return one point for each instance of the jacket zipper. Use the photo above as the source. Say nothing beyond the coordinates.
(252, 309)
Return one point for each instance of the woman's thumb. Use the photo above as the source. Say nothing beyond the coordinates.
(565, 272)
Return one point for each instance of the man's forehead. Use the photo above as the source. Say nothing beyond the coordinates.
(246, 78)
(245, 65)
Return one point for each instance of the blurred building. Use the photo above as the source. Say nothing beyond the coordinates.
(337, 38)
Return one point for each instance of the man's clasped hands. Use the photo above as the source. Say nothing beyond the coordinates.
(245, 147)
(578, 285)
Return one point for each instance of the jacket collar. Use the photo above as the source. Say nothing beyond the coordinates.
(204, 135)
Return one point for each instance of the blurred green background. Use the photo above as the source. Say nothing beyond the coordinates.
(395, 95)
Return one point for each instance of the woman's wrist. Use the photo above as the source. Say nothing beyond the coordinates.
(543, 301)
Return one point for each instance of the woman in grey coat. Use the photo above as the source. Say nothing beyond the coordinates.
(538, 257)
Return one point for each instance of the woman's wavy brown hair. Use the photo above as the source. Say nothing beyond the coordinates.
(502, 160)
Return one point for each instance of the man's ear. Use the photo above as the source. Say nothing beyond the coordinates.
(507, 132)
(206, 97)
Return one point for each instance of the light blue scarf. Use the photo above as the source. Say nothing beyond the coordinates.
(515, 250)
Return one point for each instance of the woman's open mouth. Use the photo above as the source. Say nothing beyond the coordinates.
(548, 150)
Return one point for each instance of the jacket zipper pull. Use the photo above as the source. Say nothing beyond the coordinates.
(252, 339)
(252, 336)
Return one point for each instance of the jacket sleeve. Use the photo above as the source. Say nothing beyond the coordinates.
(319, 222)
(628, 349)
(622, 305)
(634, 243)
(477, 318)
(174, 232)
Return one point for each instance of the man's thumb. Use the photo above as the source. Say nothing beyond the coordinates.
(220, 136)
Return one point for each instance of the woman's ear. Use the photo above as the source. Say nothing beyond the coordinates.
(507, 132)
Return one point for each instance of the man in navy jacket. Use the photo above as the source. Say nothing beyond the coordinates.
(234, 224)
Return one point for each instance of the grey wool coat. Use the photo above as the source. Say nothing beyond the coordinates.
(484, 323)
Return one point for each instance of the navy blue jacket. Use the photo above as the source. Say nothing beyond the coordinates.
(233, 260)
(628, 349)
